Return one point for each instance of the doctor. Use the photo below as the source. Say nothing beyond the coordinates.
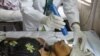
(33, 17)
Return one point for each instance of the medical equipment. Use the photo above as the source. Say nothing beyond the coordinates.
(50, 8)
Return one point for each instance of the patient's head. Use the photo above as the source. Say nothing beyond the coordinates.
(61, 48)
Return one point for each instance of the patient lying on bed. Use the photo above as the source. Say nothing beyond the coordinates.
(26, 46)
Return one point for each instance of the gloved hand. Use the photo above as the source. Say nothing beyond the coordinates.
(53, 22)
(79, 34)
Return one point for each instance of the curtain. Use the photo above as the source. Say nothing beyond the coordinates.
(95, 15)
(90, 15)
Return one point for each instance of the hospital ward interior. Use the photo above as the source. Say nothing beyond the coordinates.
(49, 28)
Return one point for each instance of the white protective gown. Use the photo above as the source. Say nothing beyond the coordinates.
(32, 12)
(33, 16)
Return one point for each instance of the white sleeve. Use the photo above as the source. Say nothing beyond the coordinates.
(71, 11)
(29, 11)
